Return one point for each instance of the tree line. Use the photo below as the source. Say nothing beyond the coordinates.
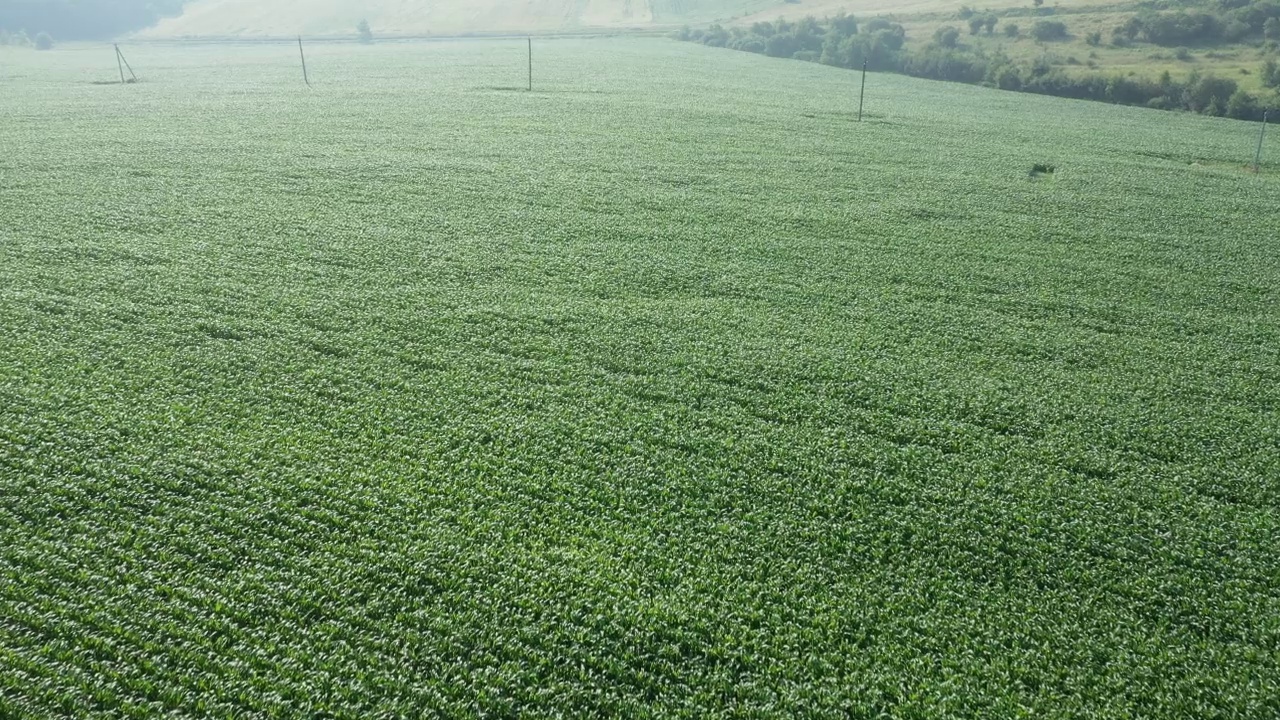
(26, 21)
(843, 41)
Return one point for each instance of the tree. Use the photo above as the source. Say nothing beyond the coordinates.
(364, 32)
(1012, 31)
(975, 24)
(1242, 106)
(845, 25)
(1272, 28)
(44, 41)
(1271, 73)
(1038, 3)
(990, 23)
(947, 36)
(1049, 30)
(1094, 39)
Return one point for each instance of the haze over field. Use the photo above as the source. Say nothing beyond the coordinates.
(253, 18)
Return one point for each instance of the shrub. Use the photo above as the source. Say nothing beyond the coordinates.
(1183, 54)
(364, 32)
(1012, 31)
(1094, 39)
(1242, 106)
(990, 22)
(946, 36)
(975, 25)
(1271, 73)
(44, 41)
(1049, 30)
(1271, 29)
(1235, 31)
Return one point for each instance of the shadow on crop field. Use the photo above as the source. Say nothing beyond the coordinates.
(541, 91)
(1202, 163)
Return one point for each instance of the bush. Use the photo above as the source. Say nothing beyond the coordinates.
(975, 25)
(1235, 31)
(44, 41)
(1271, 29)
(946, 36)
(1242, 106)
(1271, 73)
(1176, 28)
(1094, 39)
(1012, 31)
(364, 32)
(1205, 93)
(1049, 30)
(1183, 54)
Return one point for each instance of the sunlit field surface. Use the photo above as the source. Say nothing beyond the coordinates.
(665, 390)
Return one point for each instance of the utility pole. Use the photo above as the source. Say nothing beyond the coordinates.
(1262, 135)
(303, 55)
(863, 95)
(530, 64)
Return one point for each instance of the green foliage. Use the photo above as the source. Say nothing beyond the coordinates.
(1231, 22)
(1272, 28)
(1271, 73)
(1012, 30)
(1049, 30)
(976, 24)
(364, 32)
(946, 36)
(44, 41)
(1093, 39)
(678, 396)
(842, 42)
(1243, 106)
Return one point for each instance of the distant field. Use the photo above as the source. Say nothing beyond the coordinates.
(667, 390)
(250, 18)
(281, 18)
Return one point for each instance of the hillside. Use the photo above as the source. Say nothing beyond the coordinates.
(252, 18)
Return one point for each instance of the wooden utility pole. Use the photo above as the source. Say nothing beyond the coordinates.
(1262, 135)
(303, 55)
(120, 58)
(862, 96)
(120, 64)
(530, 64)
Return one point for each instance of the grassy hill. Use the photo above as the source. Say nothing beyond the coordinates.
(252, 18)
(441, 17)
(667, 390)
